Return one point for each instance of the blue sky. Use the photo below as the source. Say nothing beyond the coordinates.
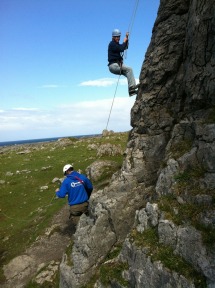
(54, 79)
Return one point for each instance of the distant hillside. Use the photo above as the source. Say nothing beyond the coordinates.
(35, 226)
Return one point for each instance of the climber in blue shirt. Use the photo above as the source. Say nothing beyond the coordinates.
(115, 60)
(78, 188)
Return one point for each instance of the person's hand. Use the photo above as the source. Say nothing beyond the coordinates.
(126, 37)
(57, 190)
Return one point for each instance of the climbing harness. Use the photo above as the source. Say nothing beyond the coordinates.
(130, 27)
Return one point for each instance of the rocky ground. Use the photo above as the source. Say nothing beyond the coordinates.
(41, 260)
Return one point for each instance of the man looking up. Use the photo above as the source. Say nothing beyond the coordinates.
(115, 60)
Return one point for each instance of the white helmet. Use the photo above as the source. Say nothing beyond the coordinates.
(66, 167)
(116, 33)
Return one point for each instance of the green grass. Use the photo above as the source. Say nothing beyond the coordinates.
(114, 252)
(25, 209)
(113, 271)
(180, 148)
(158, 252)
(190, 175)
(187, 186)
(189, 212)
(208, 234)
(106, 270)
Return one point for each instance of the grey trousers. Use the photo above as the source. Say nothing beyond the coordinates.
(125, 71)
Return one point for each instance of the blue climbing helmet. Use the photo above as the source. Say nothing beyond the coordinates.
(116, 33)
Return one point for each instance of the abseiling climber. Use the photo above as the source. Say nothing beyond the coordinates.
(115, 59)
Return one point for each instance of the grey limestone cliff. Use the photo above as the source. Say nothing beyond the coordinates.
(160, 205)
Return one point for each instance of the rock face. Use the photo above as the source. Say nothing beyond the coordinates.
(167, 182)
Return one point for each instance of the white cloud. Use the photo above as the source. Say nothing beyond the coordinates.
(80, 118)
(24, 109)
(103, 82)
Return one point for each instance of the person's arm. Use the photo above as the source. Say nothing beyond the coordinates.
(118, 47)
(126, 40)
(126, 37)
(61, 193)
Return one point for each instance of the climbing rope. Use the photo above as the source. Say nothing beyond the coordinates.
(29, 220)
(130, 27)
(113, 100)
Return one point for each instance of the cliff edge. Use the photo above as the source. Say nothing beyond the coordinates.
(160, 208)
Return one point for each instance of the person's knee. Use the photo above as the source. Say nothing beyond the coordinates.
(75, 213)
(114, 69)
(129, 69)
(126, 70)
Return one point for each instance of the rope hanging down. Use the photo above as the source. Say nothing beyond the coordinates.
(113, 100)
(29, 220)
(129, 30)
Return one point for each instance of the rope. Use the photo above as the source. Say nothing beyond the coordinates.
(29, 220)
(130, 27)
(13, 218)
(113, 100)
(124, 55)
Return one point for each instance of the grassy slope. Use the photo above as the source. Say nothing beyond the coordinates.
(25, 209)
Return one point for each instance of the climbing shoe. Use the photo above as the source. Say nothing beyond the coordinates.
(132, 91)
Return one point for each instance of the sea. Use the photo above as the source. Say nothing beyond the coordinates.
(29, 141)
